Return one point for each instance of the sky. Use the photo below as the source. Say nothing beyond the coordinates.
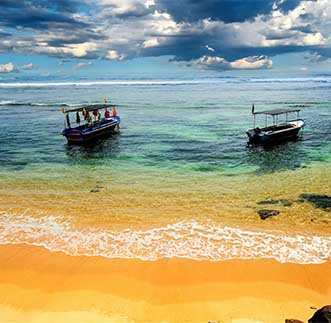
(111, 39)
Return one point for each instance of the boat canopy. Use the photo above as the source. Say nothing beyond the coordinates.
(90, 107)
(277, 112)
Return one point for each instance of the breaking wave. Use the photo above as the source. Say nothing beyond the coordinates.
(187, 239)
(36, 104)
(110, 82)
(316, 79)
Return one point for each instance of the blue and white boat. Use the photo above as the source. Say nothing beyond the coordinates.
(89, 127)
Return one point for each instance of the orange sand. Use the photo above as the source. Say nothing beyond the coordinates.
(41, 286)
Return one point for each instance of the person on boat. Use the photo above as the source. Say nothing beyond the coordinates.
(114, 112)
(84, 113)
(95, 113)
(99, 116)
(89, 120)
(107, 114)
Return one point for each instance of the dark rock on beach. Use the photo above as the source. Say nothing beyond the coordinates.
(293, 321)
(323, 315)
(319, 201)
(96, 189)
(264, 214)
(282, 202)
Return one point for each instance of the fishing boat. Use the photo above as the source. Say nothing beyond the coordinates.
(277, 131)
(89, 124)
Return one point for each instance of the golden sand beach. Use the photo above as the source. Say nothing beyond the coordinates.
(37, 285)
(45, 285)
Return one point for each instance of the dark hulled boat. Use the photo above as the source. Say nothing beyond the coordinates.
(93, 126)
(278, 131)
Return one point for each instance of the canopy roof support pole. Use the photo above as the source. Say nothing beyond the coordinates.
(266, 120)
(254, 122)
(68, 120)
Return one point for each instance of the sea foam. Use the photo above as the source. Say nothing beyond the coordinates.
(186, 239)
(144, 82)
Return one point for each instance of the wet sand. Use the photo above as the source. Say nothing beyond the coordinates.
(134, 200)
(37, 285)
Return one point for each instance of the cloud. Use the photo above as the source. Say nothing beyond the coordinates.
(8, 68)
(80, 50)
(221, 64)
(315, 57)
(63, 61)
(227, 11)
(39, 14)
(234, 30)
(26, 67)
(152, 42)
(211, 49)
(127, 8)
(83, 65)
(11, 68)
(114, 55)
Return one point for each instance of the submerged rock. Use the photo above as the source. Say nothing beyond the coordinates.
(264, 214)
(96, 189)
(318, 200)
(323, 315)
(283, 202)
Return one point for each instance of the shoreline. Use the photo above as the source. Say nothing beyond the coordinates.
(37, 285)
(190, 240)
(122, 202)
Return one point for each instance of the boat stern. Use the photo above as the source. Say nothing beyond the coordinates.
(254, 135)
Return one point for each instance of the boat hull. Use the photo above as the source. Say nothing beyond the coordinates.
(276, 134)
(88, 135)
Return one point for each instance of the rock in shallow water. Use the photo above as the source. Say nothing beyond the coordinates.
(318, 200)
(283, 202)
(323, 315)
(293, 321)
(264, 214)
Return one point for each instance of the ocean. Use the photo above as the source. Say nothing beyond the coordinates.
(179, 180)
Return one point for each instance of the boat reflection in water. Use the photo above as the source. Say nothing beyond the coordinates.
(93, 126)
(278, 131)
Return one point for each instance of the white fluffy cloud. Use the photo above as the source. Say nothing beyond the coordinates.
(7, 68)
(26, 67)
(219, 63)
(83, 65)
(10, 67)
(126, 7)
(113, 55)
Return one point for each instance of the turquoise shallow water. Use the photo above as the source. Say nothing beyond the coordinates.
(179, 180)
(185, 127)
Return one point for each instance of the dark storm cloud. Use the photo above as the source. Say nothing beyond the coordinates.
(229, 53)
(4, 34)
(39, 14)
(225, 10)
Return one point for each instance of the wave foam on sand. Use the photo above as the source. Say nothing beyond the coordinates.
(186, 239)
